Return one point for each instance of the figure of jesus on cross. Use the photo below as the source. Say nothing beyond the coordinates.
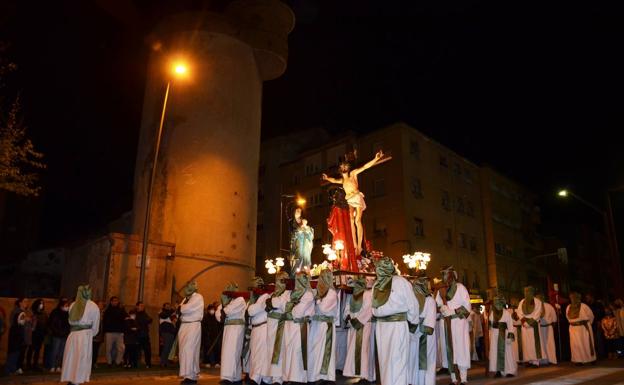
(354, 197)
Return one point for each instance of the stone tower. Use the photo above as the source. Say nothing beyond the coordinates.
(205, 191)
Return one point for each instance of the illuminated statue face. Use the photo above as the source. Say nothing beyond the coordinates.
(344, 168)
(297, 213)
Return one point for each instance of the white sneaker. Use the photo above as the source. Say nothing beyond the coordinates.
(217, 366)
(19, 371)
(208, 366)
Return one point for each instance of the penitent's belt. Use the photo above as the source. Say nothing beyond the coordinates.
(585, 323)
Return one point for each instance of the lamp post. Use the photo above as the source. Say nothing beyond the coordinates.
(609, 230)
(179, 70)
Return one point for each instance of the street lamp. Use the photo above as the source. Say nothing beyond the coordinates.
(609, 230)
(178, 69)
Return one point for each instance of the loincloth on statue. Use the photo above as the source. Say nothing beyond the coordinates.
(356, 200)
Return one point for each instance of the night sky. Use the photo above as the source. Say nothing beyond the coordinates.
(532, 88)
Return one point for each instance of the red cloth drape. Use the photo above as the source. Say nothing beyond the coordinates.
(339, 226)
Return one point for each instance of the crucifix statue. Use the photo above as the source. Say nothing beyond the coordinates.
(354, 197)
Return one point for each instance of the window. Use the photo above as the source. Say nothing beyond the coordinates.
(296, 179)
(460, 205)
(416, 188)
(473, 244)
(312, 165)
(335, 155)
(462, 241)
(443, 161)
(414, 149)
(468, 175)
(469, 209)
(448, 238)
(457, 169)
(379, 187)
(378, 146)
(419, 229)
(380, 228)
(315, 199)
(446, 200)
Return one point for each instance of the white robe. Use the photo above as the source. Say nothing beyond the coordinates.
(439, 333)
(476, 329)
(327, 306)
(528, 337)
(518, 337)
(581, 337)
(418, 375)
(547, 334)
(274, 372)
(258, 348)
(511, 366)
(341, 333)
(393, 337)
(367, 355)
(189, 336)
(78, 348)
(460, 330)
(233, 338)
(293, 369)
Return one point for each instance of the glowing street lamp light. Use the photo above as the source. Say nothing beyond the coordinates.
(179, 69)
(563, 193)
(301, 202)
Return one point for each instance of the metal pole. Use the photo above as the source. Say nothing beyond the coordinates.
(148, 209)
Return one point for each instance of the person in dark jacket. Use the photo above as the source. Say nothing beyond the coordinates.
(58, 325)
(17, 342)
(166, 332)
(131, 339)
(114, 324)
(144, 321)
(211, 338)
(39, 330)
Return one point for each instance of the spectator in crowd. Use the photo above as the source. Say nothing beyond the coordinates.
(39, 330)
(211, 338)
(166, 332)
(598, 310)
(17, 343)
(144, 321)
(3, 322)
(114, 325)
(58, 325)
(131, 340)
(99, 337)
(610, 331)
(618, 312)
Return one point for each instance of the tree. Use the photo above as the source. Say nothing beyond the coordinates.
(19, 161)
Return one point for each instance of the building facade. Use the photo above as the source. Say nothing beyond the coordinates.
(427, 198)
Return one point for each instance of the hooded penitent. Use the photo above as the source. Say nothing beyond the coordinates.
(421, 290)
(359, 287)
(384, 269)
(225, 299)
(82, 296)
(280, 284)
(325, 282)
